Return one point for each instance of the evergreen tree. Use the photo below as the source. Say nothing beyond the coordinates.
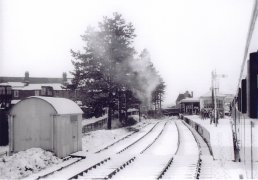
(101, 67)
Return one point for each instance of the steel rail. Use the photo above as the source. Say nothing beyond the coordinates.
(171, 159)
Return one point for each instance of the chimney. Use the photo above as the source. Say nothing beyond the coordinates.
(27, 78)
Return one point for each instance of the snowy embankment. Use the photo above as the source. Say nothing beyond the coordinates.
(27, 162)
(96, 140)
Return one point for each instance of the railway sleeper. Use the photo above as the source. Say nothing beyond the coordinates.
(120, 140)
(89, 169)
(138, 139)
(61, 168)
(166, 168)
(115, 143)
(109, 176)
(153, 140)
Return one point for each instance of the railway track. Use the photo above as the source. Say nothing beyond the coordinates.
(99, 158)
(193, 159)
(185, 163)
(124, 157)
(206, 157)
(75, 160)
(166, 150)
(151, 163)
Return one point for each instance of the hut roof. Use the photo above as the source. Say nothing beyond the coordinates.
(61, 105)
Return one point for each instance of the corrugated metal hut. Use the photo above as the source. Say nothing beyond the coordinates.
(50, 123)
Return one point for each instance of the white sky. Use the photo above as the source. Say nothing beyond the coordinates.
(187, 39)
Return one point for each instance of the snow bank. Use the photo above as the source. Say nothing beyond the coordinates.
(93, 120)
(25, 163)
(3, 150)
(135, 117)
(96, 140)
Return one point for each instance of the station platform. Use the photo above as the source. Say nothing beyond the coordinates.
(220, 137)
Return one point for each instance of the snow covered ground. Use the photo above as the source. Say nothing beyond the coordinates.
(222, 146)
(25, 163)
(36, 162)
(221, 137)
(3, 150)
(96, 140)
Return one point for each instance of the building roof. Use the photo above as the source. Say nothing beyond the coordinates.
(190, 100)
(33, 80)
(13, 84)
(22, 86)
(183, 96)
(56, 86)
(61, 105)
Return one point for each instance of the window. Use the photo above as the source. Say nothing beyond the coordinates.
(2, 90)
(16, 93)
(49, 92)
(9, 90)
(207, 103)
(37, 93)
(220, 103)
(43, 91)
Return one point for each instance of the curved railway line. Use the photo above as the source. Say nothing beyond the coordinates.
(168, 149)
(100, 157)
(71, 160)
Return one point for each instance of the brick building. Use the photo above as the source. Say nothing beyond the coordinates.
(23, 87)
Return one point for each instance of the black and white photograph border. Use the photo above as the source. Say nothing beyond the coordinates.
(127, 89)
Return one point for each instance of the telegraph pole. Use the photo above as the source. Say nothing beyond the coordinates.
(214, 77)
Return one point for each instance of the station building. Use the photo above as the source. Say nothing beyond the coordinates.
(190, 106)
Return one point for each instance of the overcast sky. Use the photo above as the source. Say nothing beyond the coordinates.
(187, 39)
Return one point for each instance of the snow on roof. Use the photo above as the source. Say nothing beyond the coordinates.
(132, 110)
(13, 84)
(218, 94)
(61, 105)
(190, 100)
(56, 86)
(14, 101)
